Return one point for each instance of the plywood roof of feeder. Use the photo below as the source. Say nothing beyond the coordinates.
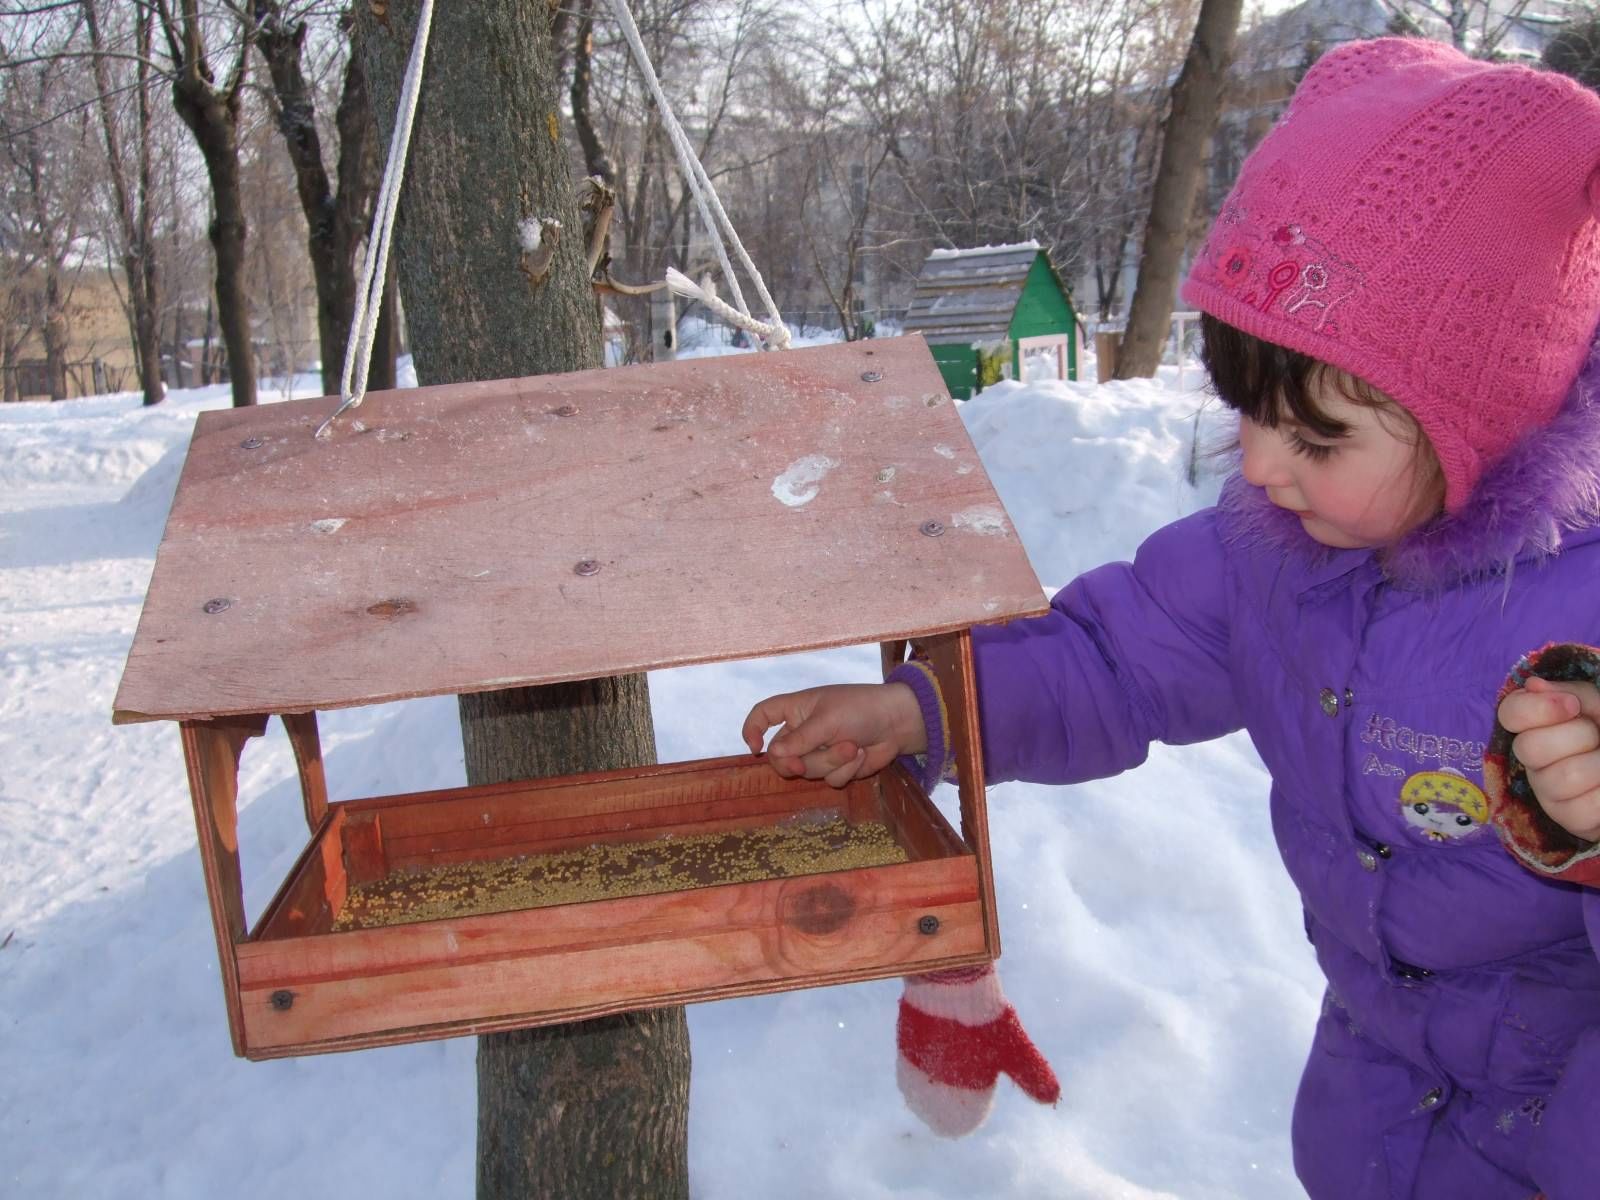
(480, 536)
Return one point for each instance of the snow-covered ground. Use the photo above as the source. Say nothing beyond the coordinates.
(1153, 945)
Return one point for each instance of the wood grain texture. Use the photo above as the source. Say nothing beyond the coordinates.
(557, 964)
(951, 659)
(307, 746)
(914, 821)
(434, 829)
(211, 751)
(534, 1022)
(731, 507)
(361, 847)
(313, 893)
(561, 963)
(534, 816)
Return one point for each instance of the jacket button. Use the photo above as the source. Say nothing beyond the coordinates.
(1383, 850)
(1431, 1098)
(1349, 698)
(1329, 699)
(1368, 859)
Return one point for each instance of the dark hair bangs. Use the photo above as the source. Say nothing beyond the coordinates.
(1267, 383)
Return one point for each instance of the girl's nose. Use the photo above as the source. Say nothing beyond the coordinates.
(1264, 455)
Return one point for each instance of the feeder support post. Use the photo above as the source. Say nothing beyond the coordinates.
(598, 1108)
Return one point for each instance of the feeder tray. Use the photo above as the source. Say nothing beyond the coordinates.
(482, 536)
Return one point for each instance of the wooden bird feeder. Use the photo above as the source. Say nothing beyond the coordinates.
(483, 536)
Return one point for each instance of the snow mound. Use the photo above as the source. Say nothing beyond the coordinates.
(1078, 465)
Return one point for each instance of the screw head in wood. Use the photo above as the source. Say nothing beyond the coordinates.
(586, 566)
(213, 607)
(871, 376)
(932, 528)
(283, 999)
(250, 443)
(928, 925)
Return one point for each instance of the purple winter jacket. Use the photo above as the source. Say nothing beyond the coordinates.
(1458, 1052)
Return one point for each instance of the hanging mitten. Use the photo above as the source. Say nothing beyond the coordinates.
(957, 1033)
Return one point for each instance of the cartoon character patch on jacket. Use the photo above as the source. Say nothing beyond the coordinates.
(1443, 805)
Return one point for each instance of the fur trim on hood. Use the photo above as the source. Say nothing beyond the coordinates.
(1546, 487)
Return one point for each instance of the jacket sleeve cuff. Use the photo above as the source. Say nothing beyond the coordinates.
(1535, 840)
(935, 764)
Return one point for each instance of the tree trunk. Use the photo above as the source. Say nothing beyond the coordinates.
(1196, 98)
(360, 173)
(335, 223)
(8, 368)
(227, 233)
(148, 322)
(596, 1109)
(595, 158)
(147, 333)
(179, 354)
(206, 358)
(212, 115)
(56, 335)
(133, 206)
(385, 338)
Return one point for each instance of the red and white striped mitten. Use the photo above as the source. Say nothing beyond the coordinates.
(957, 1033)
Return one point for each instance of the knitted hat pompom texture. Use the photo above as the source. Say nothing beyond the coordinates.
(1430, 224)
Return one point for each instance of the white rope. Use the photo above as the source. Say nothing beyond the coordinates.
(775, 333)
(375, 261)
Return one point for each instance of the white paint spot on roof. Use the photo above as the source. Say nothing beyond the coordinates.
(800, 481)
(984, 518)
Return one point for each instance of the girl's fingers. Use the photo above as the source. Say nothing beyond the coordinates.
(805, 737)
(1586, 694)
(879, 756)
(1543, 745)
(1557, 728)
(1565, 782)
(1579, 816)
(1533, 708)
(774, 710)
(823, 762)
(841, 776)
(818, 764)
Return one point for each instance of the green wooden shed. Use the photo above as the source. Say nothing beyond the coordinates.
(985, 311)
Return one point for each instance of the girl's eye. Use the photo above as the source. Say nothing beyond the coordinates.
(1315, 451)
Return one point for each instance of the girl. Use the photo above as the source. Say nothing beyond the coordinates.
(1400, 295)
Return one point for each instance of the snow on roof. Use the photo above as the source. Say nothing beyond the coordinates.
(974, 251)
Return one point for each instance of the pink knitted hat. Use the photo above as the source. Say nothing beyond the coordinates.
(1430, 224)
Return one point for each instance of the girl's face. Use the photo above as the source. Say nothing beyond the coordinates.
(1354, 491)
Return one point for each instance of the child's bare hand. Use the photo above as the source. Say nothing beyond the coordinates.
(1557, 728)
(838, 733)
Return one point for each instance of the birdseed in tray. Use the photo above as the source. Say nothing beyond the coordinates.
(609, 871)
